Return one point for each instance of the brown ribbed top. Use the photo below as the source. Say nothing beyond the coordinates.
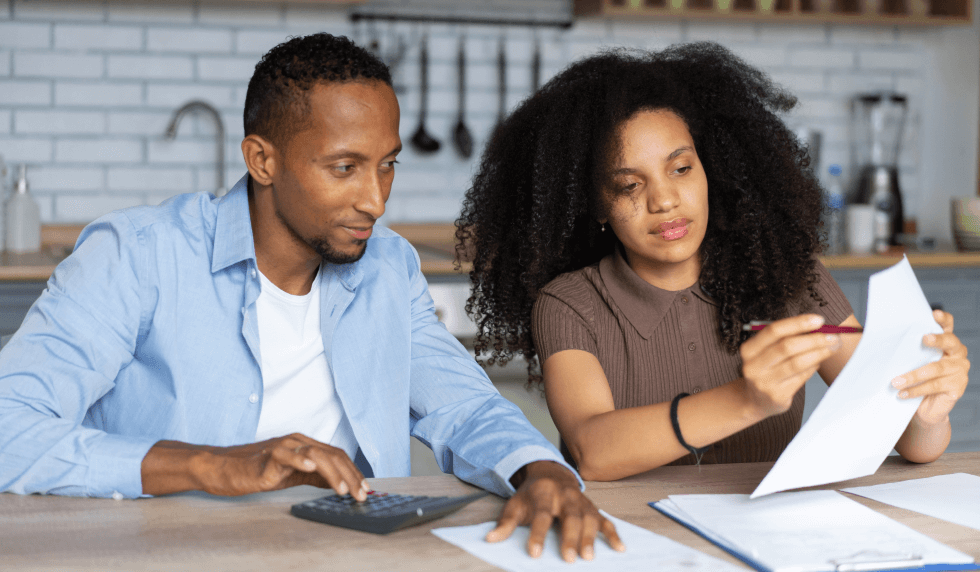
(653, 344)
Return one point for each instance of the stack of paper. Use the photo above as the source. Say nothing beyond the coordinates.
(955, 497)
(813, 531)
(644, 551)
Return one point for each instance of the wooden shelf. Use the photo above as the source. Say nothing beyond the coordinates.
(880, 12)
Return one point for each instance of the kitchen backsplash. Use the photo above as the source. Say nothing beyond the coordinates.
(87, 90)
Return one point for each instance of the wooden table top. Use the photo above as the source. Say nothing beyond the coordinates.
(194, 531)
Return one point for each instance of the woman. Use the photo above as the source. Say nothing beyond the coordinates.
(626, 222)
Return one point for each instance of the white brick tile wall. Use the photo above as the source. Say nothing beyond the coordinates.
(25, 93)
(24, 35)
(239, 14)
(150, 179)
(188, 40)
(171, 12)
(46, 64)
(179, 151)
(860, 82)
(45, 204)
(317, 18)
(903, 60)
(98, 151)
(863, 35)
(722, 33)
(48, 179)
(821, 58)
(87, 88)
(792, 34)
(97, 37)
(138, 122)
(85, 208)
(101, 94)
(59, 122)
(258, 42)
(91, 10)
(150, 67)
(26, 150)
(167, 95)
(237, 69)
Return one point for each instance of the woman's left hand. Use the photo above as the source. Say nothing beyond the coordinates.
(941, 382)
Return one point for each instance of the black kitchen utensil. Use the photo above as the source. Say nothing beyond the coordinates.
(423, 142)
(462, 137)
(501, 81)
(536, 66)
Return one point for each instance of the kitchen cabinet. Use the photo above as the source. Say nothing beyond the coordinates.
(880, 12)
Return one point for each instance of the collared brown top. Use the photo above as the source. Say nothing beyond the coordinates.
(654, 344)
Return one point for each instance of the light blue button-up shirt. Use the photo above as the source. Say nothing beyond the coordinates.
(148, 331)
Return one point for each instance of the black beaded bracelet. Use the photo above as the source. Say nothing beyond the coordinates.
(677, 430)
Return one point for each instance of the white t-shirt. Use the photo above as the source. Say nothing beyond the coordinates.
(298, 388)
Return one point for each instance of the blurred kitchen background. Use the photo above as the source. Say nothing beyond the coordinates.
(88, 90)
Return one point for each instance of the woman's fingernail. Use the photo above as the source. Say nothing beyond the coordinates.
(587, 553)
(365, 487)
(903, 394)
(816, 321)
(535, 550)
(342, 489)
(834, 341)
(898, 382)
(930, 338)
(309, 465)
(569, 555)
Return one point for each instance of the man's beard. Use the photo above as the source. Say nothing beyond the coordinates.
(329, 254)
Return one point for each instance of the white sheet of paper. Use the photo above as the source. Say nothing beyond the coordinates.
(807, 531)
(644, 551)
(955, 497)
(860, 418)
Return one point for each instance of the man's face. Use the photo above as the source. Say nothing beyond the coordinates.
(336, 175)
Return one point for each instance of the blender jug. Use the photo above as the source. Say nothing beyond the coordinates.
(879, 124)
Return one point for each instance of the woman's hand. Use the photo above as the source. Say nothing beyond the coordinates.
(779, 360)
(941, 382)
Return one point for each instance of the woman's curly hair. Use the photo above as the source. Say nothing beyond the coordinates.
(532, 211)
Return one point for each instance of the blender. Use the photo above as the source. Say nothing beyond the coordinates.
(879, 124)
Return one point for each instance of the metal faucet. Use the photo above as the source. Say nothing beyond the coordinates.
(199, 105)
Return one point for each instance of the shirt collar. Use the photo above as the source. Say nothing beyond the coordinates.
(644, 304)
(233, 240)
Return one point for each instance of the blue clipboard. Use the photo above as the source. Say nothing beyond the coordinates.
(890, 565)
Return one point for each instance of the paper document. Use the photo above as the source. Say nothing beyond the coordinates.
(644, 551)
(810, 531)
(955, 497)
(860, 418)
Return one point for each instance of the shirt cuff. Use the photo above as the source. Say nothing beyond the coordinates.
(512, 463)
(116, 466)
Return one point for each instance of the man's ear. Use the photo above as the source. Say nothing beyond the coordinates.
(260, 158)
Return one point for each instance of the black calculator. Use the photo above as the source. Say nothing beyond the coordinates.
(381, 513)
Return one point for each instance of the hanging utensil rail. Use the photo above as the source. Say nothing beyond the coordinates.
(477, 21)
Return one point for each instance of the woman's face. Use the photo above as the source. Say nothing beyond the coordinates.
(658, 205)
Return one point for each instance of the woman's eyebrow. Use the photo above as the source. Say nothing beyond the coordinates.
(680, 150)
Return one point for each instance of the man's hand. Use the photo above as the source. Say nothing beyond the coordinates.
(546, 491)
(172, 466)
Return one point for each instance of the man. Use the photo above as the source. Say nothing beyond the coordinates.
(265, 339)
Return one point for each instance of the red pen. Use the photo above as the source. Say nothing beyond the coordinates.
(756, 325)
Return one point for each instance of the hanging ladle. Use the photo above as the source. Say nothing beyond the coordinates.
(461, 134)
(422, 141)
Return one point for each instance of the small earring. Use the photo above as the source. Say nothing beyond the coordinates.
(603, 227)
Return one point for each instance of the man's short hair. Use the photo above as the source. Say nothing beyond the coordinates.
(277, 102)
